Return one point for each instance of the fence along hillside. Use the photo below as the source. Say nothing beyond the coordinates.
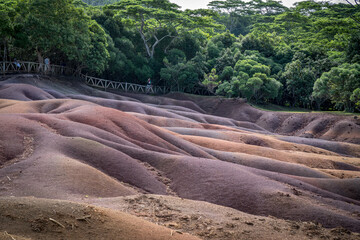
(40, 68)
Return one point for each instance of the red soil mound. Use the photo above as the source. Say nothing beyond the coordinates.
(105, 146)
(23, 92)
(313, 125)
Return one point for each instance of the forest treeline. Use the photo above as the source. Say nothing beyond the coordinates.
(306, 56)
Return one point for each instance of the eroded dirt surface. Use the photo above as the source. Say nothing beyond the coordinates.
(215, 168)
(209, 221)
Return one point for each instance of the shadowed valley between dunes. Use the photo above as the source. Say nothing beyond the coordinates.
(76, 161)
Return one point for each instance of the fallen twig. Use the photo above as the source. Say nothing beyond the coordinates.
(84, 218)
(7, 234)
(54, 221)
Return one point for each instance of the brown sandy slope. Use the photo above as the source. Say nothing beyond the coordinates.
(309, 125)
(32, 218)
(62, 140)
(210, 221)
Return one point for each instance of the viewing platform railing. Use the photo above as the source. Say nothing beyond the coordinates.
(32, 67)
(40, 68)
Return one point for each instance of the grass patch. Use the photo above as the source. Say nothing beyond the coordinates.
(277, 108)
(342, 113)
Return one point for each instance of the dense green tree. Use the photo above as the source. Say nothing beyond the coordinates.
(7, 16)
(251, 80)
(226, 89)
(127, 63)
(175, 56)
(224, 40)
(268, 7)
(97, 55)
(251, 87)
(227, 74)
(260, 87)
(353, 48)
(63, 32)
(264, 43)
(212, 50)
(178, 72)
(321, 91)
(190, 43)
(211, 81)
(181, 76)
(355, 98)
(299, 83)
(234, 14)
(225, 60)
(339, 85)
(150, 18)
(251, 67)
(199, 63)
(158, 20)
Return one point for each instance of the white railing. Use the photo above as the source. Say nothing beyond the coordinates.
(124, 86)
(32, 67)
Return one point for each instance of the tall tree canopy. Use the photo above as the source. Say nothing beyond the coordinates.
(157, 20)
(7, 26)
(60, 30)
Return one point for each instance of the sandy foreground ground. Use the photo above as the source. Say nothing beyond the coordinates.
(79, 163)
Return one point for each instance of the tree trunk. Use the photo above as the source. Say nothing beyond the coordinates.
(6, 50)
(145, 43)
(39, 56)
(167, 47)
(318, 105)
(3, 67)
